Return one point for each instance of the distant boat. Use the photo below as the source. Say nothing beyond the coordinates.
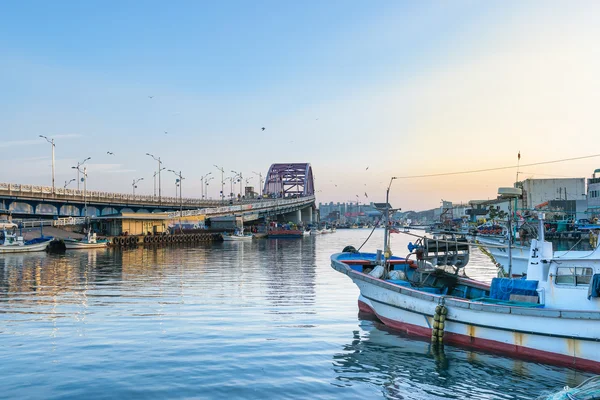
(10, 242)
(237, 236)
(88, 242)
(285, 234)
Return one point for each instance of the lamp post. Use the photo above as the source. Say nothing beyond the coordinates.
(178, 174)
(241, 180)
(222, 182)
(206, 184)
(79, 164)
(133, 185)
(159, 169)
(260, 181)
(84, 172)
(67, 183)
(156, 173)
(231, 178)
(51, 141)
(202, 183)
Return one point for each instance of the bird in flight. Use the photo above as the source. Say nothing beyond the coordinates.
(263, 128)
(110, 153)
(166, 133)
(367, 169)
(150, 97)
(366, 195)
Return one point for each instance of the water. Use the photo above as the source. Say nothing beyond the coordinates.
(255, 320)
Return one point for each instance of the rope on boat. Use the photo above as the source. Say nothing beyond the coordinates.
(439, 323)
(498, 266)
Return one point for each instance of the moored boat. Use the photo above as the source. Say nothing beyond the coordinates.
(285, 233)
(10, 242)
(553, 316)
(237, 236)
(88, 242)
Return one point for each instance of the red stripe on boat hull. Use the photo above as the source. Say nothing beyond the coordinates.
(489, 345)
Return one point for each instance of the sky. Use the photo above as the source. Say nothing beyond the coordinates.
(361, 90)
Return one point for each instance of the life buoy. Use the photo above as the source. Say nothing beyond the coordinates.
(115, 240)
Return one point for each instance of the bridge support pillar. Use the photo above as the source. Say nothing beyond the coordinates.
(307, 215)
(294, 216)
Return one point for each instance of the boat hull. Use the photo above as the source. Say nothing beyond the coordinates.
(568, 338)
(81, 245)
(237, 238)
(286, 234)
(25, 248)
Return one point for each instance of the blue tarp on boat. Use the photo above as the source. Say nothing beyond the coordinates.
(502, 288)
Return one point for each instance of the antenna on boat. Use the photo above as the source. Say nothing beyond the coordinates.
(510, 194)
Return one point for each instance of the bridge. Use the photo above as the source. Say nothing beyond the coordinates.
(288, 190)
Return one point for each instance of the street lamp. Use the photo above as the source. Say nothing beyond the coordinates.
(260, 181)
(181, 178)
(156, 173)
(202, 183)
(222, 181)
(231, 179)
(241, 179)
(79, 164)
(133, 185)
(159, 169)
(246, 182)
(67, 183)
(84, 172)
(51, 141)
(206, 183)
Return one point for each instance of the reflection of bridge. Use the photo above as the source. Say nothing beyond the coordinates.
(289, 188)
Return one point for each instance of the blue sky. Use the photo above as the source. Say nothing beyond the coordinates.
(401, 87)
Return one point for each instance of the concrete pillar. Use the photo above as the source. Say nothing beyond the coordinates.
(307, 215)
(294, 216)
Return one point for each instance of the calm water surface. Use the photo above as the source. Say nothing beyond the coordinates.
(265, 319)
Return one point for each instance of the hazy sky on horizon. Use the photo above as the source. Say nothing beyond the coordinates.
(404, 88)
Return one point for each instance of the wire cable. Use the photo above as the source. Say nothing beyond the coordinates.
(497, 168)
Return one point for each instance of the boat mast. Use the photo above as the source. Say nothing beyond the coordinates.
(386, 239)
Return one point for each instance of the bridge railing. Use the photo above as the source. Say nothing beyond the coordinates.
(69, 221)
(45, 192)
(254, 206)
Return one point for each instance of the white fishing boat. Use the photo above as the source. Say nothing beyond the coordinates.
(237, 236)
(10, 242)
(306, 232)
(88, 242)
(315, 231)
(553, 316)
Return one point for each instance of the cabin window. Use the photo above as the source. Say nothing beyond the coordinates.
(573, 275)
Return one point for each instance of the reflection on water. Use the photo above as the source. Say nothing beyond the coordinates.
(406, 368)
(260, 319)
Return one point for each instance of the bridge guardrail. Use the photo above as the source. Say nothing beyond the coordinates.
(45, 192)
(255, 206)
